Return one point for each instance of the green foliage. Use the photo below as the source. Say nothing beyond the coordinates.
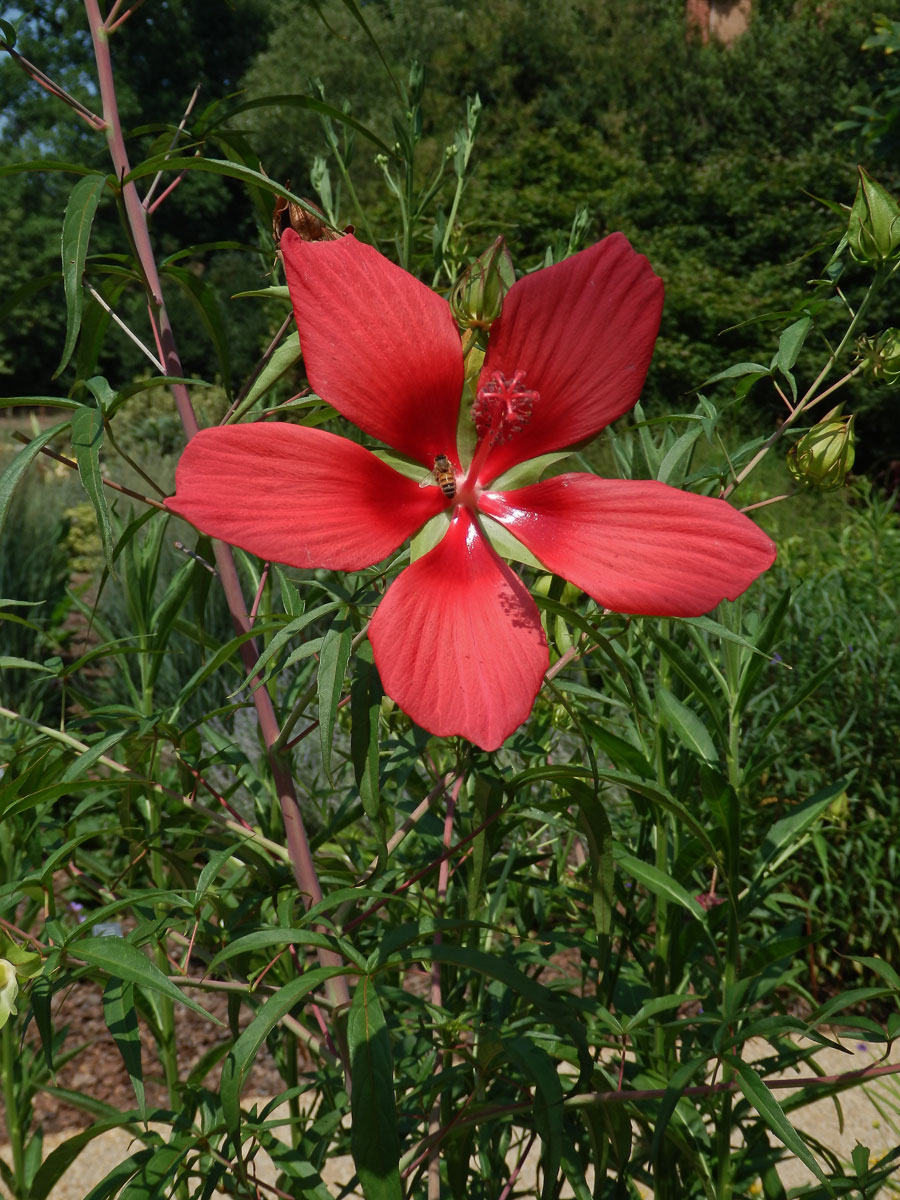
(844, 612)
(563, 944)
(34, 574)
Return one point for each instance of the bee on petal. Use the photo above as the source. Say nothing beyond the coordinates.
(443, 475)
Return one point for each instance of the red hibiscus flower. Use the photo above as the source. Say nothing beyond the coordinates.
(457, 638)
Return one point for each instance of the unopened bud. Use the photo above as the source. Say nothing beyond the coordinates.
(824, 455)
(880, 357)
(874, 230)
(477, 298)
(15, 964)
(9, 989)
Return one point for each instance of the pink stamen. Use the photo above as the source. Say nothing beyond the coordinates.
(502, 407)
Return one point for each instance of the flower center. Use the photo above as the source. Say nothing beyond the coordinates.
(502, 407)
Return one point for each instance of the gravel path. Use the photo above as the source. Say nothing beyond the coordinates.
(859, 1120)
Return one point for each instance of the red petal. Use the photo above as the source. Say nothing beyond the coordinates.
(634, 546)
(458, 641)
(298, 496)
(378, 344)
(583, 333)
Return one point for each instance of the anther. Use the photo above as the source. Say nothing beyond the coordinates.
(502, 407)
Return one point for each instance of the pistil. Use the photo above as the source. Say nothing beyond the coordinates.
(502, 408)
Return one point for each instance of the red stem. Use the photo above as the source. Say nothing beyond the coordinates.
(298, 843)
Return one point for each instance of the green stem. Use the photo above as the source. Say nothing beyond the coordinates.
(662, 935)
(10, 1054)
(732, 652)
(809, 398)
(168, 1049)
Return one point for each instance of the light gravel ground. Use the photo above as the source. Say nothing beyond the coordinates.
(860, 1122)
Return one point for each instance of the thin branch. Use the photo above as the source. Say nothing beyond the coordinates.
(145, 350)
(54, 89)
(69, 462)
(258, 369)
(263, 580)
(175, 136)
(111, 24)
(434, 1123)
(766, 503)
(165, 194)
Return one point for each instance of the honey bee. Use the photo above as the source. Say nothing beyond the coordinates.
(443, 475)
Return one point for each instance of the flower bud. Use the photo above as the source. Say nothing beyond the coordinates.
(15, 964)
(477, 298)
(9, 989)
(874, 230)
(824, 455)
(880, 357)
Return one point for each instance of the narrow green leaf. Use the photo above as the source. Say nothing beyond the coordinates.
(365, 709)
(652, 456)
(686, 725)
(772, 1113)
(45, 164)
(277, 292)
(41, 998)
(285, 356)
(880, 967)
(657, 882)
(87, 759)
(163, 620)
(791, 828)
(738, 371)
(76, 234)
(598, 831)
(791, 343)
(374, 1140)
(121, 1020)
(8, 662)
(212, 868)
(508, 546)
(87, 438)
(764, 642)
(797, 697)
(220, 166)
(103, 393)
(61, 1158)
(10, 478)
(333, 659)
(689, 670)
(528, 472)
(658, 1004)
(675, 1085)
(548, 1105)
(708, 625)
(622, 753)
(262, 939)
(121, 960)
(675, 462)
(284, 635)
(247, 1045)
